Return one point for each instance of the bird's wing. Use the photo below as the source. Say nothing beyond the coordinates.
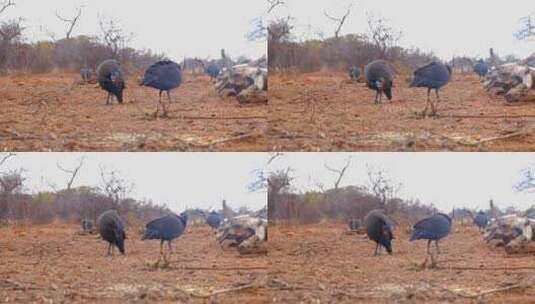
(425, 70)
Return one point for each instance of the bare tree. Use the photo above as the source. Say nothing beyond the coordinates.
(279, 180)
(5, 156)
(115, 38)
(527, 28)
(339, 172)
(280, 30)
(339, 20)
(73, 172)
(10, 31)
(273, 4)
(70, 22)
(383, 35)
(4, 5)
(381, 186)
(114, 186)
(11, 182)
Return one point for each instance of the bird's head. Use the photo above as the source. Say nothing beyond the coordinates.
(119, 241)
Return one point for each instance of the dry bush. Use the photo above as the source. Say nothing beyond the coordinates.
(339, 205)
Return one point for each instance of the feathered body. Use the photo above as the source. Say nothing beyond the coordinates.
(379, 228)
(432, 228)
(164, 75)
(432, 76)
(112, 230)
(110, 77)
(379, 77)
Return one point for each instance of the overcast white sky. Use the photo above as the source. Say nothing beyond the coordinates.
(196, 28)
(447, 28)
(177, 179)
(444, 179)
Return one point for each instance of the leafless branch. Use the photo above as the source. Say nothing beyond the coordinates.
(273, 4)
(71, 23)
(383, 34)
(274, 156)
(339, 20)
(5, 157)
(4, 5)
(115, 187)
(72, 172)
(339, 172)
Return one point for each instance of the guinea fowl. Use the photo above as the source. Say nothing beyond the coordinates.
(166, 228)
(110, 77)
(432, 228)
(433, 77)
(379, 77)
(111, 229)
(165, 75)
(379, 229)
(481, 68)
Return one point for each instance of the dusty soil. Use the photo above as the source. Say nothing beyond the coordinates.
(322, 264)
(324, 111)
(53, 112)
(52, 264)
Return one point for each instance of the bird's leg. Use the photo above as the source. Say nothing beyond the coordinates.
(169, 245)
(169, 97)
(158, 105)
(161, 254)
(438, 248)
(108, 99)
(377, 97)
(438, 96)
(428, 252)
(424, 113)
(109, 249)
(376, 249)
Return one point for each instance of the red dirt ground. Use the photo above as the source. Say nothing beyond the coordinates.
(323, 264)
(324, 111)
(53, 112)
(54, 264)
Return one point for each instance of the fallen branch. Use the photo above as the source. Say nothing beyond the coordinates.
(226, 140)
(224, 268)
(488, 268)
(487, 116)
(526, 284)
(222, 117)
(201, 294)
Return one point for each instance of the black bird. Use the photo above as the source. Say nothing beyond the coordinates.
(379, 229)
(110, 77)
(432, 228)
(87, 225)
(111, 229)
(166, 228)
(354, 224)
(86, 74)
(379, 77)
(214, 220)
(213, 70)
(433, 77)
(164, 75)
(481, 68)
(481, 220)
(354, 73)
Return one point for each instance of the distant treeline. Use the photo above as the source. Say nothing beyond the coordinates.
(338, 205)
(333, 53)
(71, 205)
